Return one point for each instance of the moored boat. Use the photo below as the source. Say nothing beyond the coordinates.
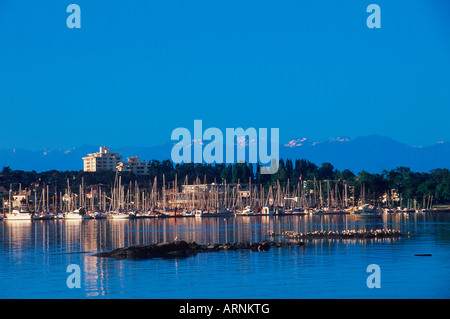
(18, 215)
(43, 216)
(75, 215)
(118, 215)
(367, 210)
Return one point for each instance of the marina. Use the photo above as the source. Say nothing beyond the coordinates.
(34, 255)
(200, 200)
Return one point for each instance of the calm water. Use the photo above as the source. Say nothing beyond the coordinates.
(34, 257)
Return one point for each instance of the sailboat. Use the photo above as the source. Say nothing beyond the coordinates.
(76, 214)
(18, 215)
(118, 215)
(247, 211)
(368, 210)
(118, 200)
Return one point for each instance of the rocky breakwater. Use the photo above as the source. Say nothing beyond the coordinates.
(181, 248)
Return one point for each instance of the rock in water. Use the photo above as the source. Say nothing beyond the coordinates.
(181, 248)
(168, 249)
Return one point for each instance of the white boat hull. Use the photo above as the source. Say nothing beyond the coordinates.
(119, 216)
(18, 217)
(73, 216)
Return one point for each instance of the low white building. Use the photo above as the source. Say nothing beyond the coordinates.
(104, 160)
(133, 165)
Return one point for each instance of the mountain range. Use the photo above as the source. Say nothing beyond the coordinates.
(370, 153)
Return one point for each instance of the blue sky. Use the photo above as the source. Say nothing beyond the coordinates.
(136, 70)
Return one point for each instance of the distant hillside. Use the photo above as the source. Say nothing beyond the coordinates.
(371, 153)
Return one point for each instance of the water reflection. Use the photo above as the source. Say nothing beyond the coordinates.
(57, 243)
(98, 235)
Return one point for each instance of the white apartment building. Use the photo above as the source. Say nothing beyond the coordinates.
(133, 165)
(104, 160)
